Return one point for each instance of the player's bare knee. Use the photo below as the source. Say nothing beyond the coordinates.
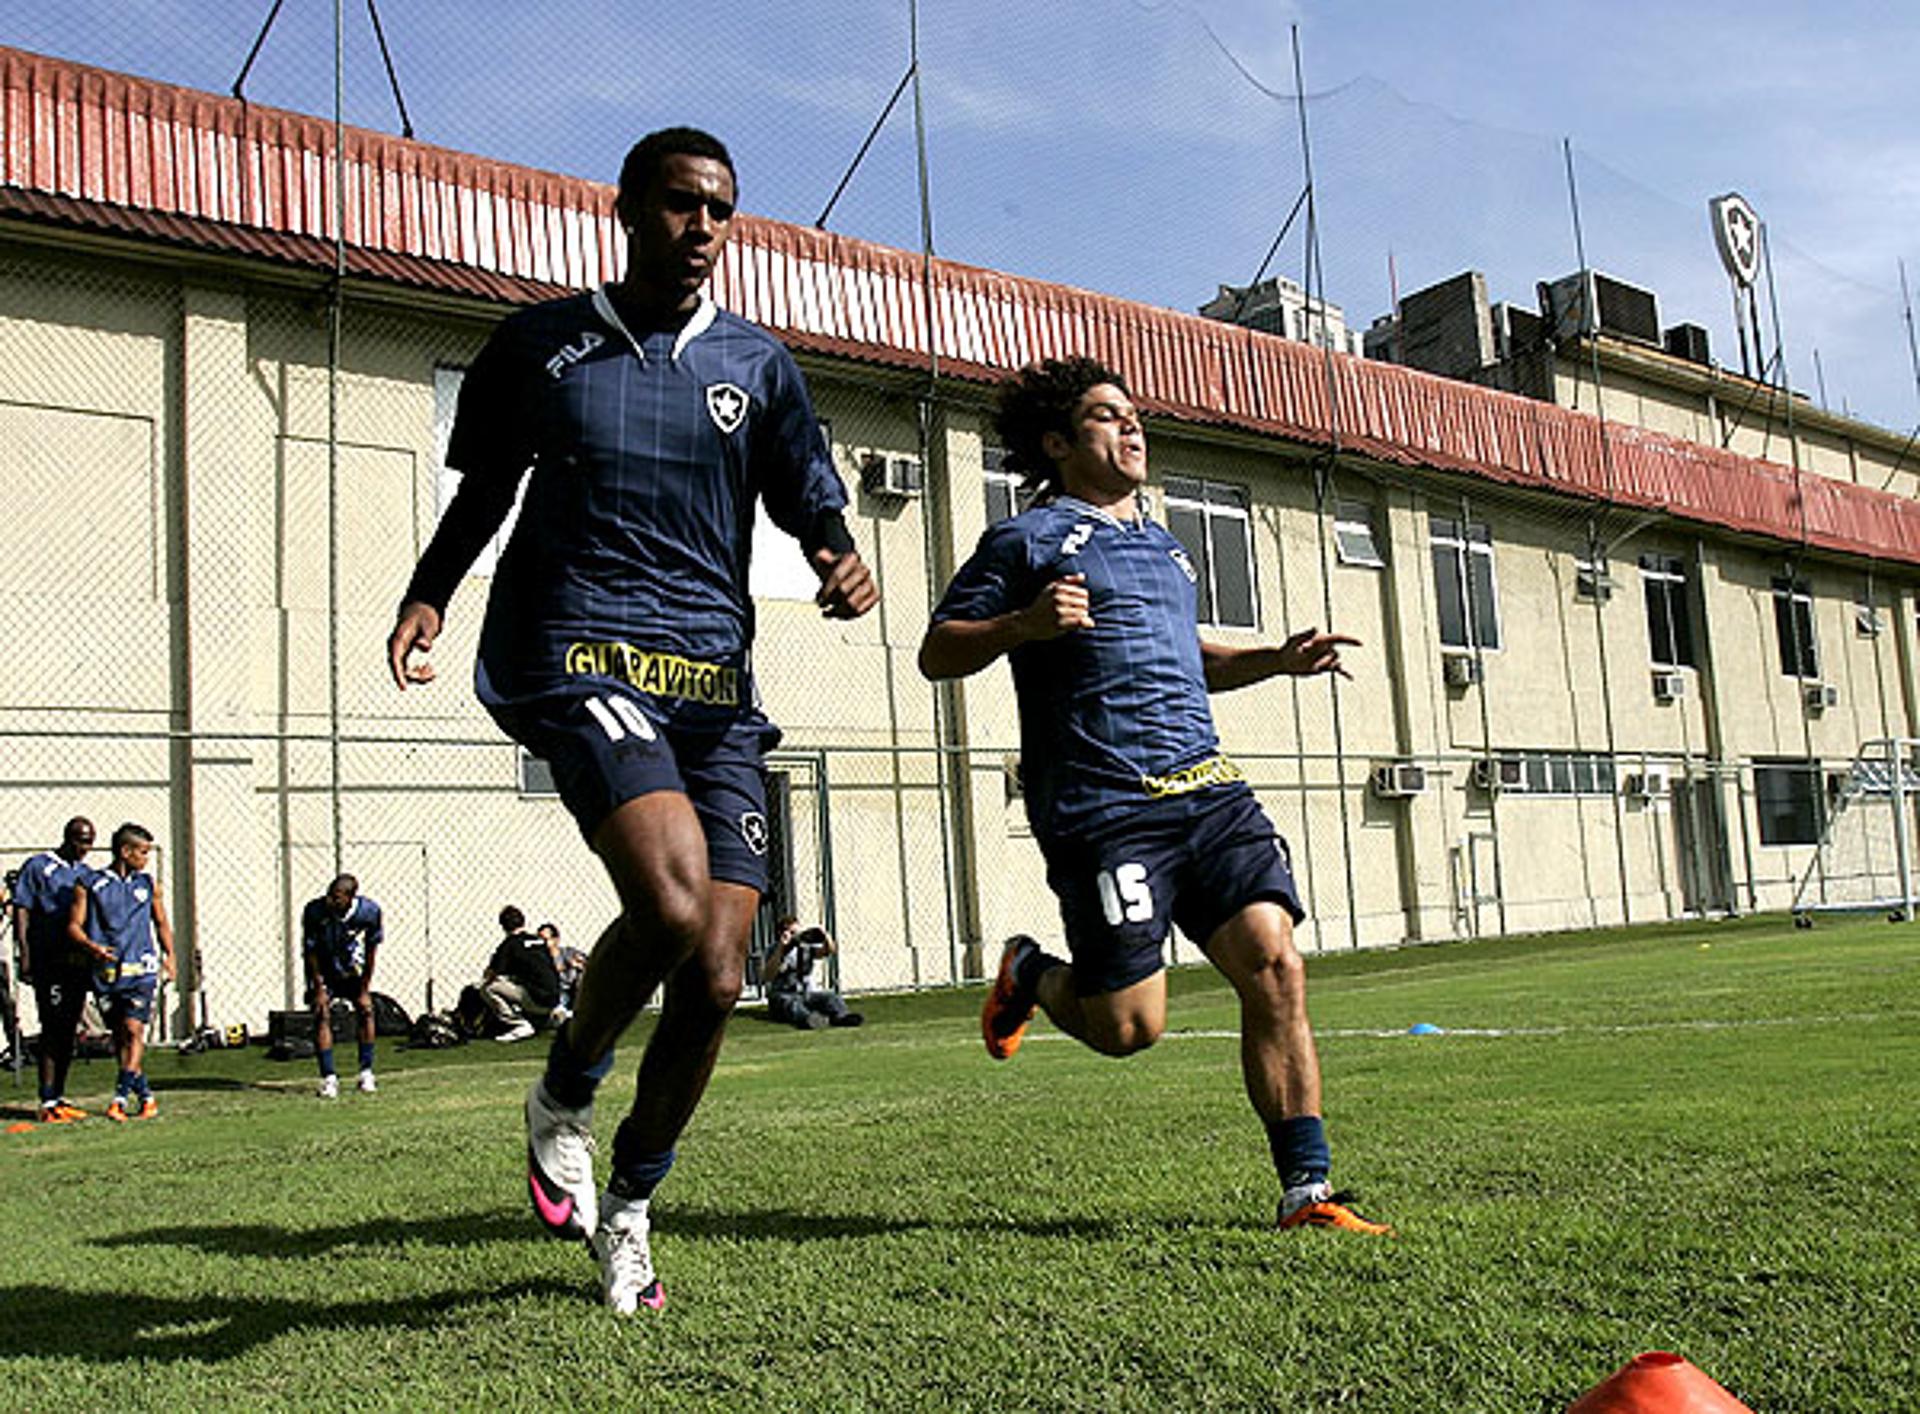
(1124, 1035)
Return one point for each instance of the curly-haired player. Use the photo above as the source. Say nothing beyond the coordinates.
(1144, 824)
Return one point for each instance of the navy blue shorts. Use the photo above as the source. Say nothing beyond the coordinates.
(340, 986)
(61, 993)
(133, 1004)
(1193, 860)
(608, 743)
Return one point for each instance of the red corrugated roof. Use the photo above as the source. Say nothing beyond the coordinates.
(89, 148)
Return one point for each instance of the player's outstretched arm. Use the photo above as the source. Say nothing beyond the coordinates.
(955, 648)
(1305, 654)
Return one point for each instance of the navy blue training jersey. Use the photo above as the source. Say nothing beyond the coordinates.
(120, 919)
(45, 890)
(339, 946)
(1111, 715)
(630, 556)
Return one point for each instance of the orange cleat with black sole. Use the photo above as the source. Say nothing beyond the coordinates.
(1335, 1210)
(1004, 1017)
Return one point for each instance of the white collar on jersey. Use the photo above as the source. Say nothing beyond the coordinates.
(703, 317)
(1133, 523)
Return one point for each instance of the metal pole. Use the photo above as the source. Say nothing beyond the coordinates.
(1897, 768)
(333, 422)
(1323, 484)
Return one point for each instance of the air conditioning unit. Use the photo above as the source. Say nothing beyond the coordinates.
(891, 474)
(1648, 783)
(1397, 780)
(1587, 302)
(1497, 775)
(1460, 669)
(1590, 583)
(1821, 695)
(1669, 687)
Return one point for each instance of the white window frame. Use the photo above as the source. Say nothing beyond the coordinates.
(995, 477)
(1216, 503)
(1676, 599)
(1460, 543)
(1798, 596)
(1354, 539)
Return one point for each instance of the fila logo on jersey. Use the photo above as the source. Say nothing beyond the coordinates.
(726, 405)
(1186, 566)
(1078, 536)
(753, 829)
(571, 354)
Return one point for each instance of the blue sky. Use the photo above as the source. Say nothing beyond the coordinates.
(1127, 146)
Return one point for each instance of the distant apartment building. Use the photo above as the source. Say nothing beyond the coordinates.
(1279, 306)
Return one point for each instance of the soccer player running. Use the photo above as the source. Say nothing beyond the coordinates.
(117, 918)
(1142, 822)
(60, 973)
(616, 647)
(340, 934)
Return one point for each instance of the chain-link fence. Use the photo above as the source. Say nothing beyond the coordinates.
(1608, 667)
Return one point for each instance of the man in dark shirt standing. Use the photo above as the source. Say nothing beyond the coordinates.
(522, 985)
(61, 974)
(616, 647)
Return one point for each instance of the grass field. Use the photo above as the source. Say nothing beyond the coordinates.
(1702, 1139)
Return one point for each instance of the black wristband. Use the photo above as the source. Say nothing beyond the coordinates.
(829, 532)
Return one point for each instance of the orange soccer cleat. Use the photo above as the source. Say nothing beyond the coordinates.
(1334, 1210)
(1004, 1017)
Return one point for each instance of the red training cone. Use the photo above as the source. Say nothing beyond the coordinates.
(1657, 1383)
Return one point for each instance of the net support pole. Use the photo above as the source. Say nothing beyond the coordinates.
(1902, 850)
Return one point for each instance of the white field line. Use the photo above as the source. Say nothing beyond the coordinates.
(1349, 1033)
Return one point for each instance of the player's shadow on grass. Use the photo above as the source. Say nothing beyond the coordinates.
(113, 1326)
(261, 1240)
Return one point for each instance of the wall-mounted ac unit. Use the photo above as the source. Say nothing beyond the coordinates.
(1460, 669)
(1669, 687)
(1590, 584)
(1497, 775)
(1821, 695)
(891, 474)
(1397, 780)
(1648, 783)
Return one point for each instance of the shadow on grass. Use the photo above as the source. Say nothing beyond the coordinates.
(471, 1230)
(52, 1320)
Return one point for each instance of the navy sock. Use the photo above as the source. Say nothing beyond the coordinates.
(636, 1171)
(124, 1083)
(1300, 1153)
(326, 1060)
(48, 1095)
(1028, 971)
(366, 1055)
(570, 1083)
(140, 1086)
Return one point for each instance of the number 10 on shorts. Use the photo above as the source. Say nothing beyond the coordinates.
(1124, 894)
(617, 716)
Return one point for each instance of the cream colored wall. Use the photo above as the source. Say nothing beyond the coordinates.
(184, 587)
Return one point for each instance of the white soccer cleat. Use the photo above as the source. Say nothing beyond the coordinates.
(560, 1165)
(519, 1031)
(366, 1084)
(620, 1242)
(329, 1087)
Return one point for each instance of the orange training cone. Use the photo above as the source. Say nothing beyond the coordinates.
(1657, 1383)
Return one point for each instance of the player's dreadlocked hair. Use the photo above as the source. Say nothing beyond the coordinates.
(1040, 399)
(644, 159)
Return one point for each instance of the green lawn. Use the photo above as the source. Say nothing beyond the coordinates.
(1701, 1139)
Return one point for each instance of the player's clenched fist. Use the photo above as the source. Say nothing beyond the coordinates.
(1061, 607)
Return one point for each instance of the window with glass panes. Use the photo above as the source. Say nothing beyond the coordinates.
(1793, 627)
(1789, 800)
(1353, 538)
(1213, 523)
(1004, 496)
(1669, 612)
(1463, 582)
